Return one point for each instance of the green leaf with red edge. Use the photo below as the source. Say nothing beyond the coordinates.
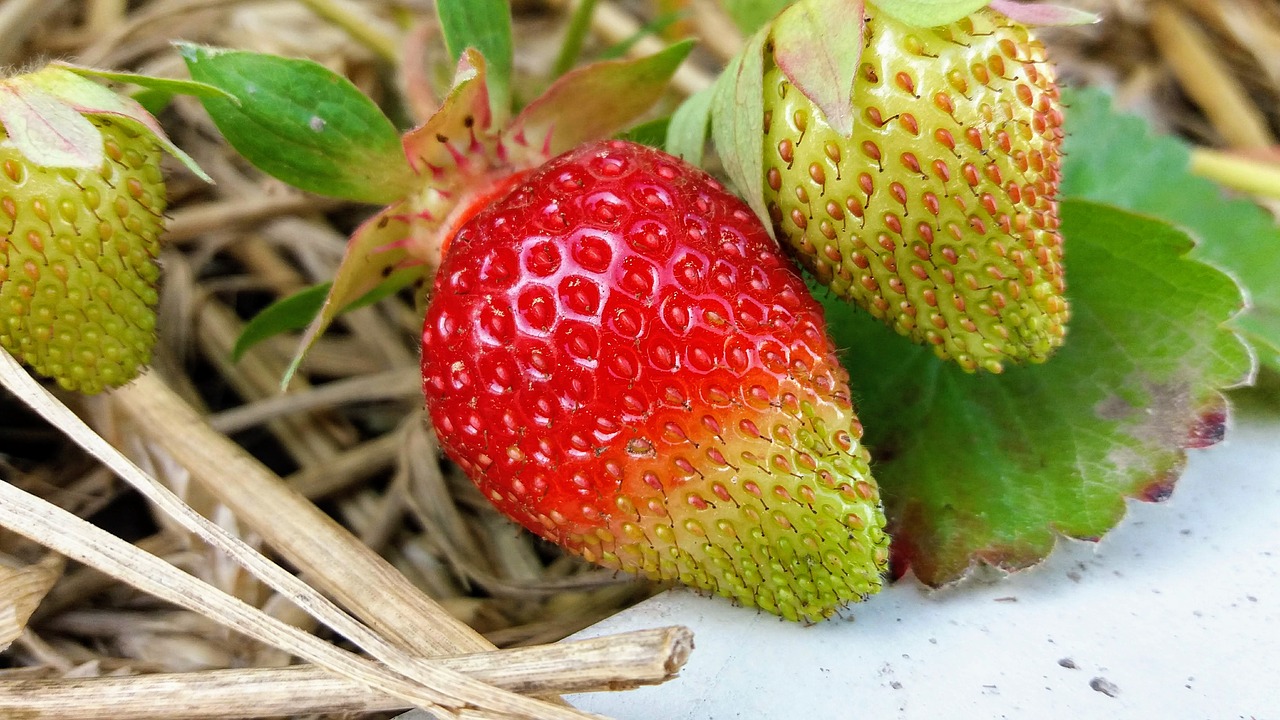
(597, 100)
(376, 251)
(302, 123)
(928, 13)
(818, 45)
(47, 131)
(1115, 157)
(992, 468)
(44, 114)
(484, 25)
(737, 122)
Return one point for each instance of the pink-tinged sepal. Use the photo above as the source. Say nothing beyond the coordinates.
(376, 250)
(437, 146)
(1043, 14)
(571, 112)
(44, 114)
(818, 46)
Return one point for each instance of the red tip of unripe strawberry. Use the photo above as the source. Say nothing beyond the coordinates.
(619, 357)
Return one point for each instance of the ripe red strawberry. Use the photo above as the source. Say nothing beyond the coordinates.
(621, 359)
(938, 215)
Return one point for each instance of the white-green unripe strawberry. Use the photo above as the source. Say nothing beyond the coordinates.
(78, 270)
(82, 201)
(939, 214)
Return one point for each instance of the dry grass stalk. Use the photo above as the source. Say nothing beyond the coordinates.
(60, 530)
(609, 663)
(22, 587)
(1208, 80)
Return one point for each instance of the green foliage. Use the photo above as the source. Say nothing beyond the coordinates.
(303, 124)
(989, 468)
(1116, 158)
(299, 309)
(652, 133)
(687, 133)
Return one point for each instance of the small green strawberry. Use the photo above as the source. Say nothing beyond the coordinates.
(82, 203)
(624, 362)
(938, 215)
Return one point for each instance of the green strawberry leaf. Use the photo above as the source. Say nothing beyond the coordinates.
(596, 100)
(1116, 158)
(751, 15)
(928, 13)
(301, 308)
(687, 133)
(981, 468)
(818, 46)
(484, 25)
(652, 133)
(300, 122)
(737, 122)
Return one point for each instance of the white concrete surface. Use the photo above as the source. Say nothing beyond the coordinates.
(1174, 615)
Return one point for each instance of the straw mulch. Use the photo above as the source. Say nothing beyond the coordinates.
(349, 436)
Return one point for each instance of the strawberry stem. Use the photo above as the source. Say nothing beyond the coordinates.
(1257, 177)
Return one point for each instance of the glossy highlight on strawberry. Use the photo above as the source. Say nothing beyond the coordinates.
(623, 361)
(939, 214)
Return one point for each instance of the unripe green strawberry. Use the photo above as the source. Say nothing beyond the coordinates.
(78, 267)
(623, 361)
(939, 214)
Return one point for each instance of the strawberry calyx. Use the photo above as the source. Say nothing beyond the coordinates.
(46, 115)
(463, 159)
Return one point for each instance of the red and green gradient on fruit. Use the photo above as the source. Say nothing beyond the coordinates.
(623, 361)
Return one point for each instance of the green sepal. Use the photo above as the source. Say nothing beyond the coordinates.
(298, 310)
(737, 122)
(300, 122)
(818, 45)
